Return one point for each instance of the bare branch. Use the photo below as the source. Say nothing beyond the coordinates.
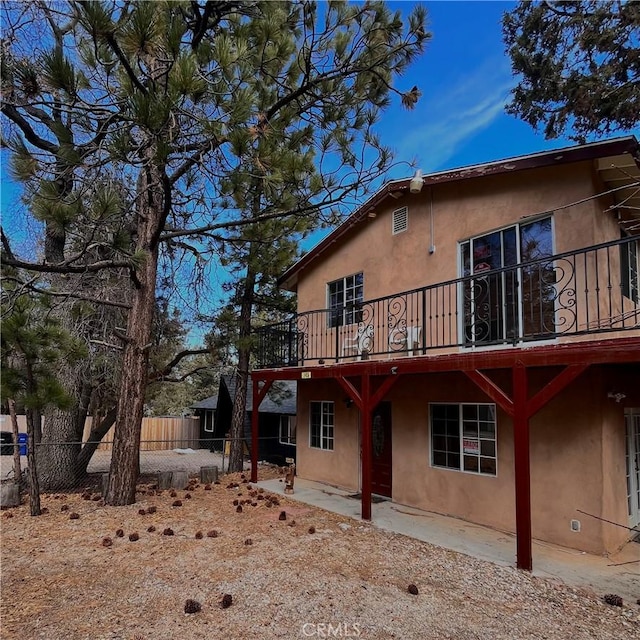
(168, 368)
(43, 267)
(181, 378)
(10, 111)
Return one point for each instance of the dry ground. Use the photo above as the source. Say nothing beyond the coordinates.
(313, 575)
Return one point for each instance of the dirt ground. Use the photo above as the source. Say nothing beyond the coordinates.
(68, 574)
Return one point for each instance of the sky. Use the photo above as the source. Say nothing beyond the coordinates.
(465, 79)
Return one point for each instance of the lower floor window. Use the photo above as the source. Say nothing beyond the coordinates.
(287, 430)
(321, 425)
(463, 437)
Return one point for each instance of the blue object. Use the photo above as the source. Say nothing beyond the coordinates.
(22, 441)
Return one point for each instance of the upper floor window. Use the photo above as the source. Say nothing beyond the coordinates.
(287, 430)
(321, 425)
(463, 437)
(629, 265)
(345, 300)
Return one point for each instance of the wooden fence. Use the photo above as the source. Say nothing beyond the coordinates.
(157, 433)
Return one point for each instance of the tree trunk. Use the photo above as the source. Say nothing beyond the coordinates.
(17, 471)
(93, 441)
(242, 376)
(58, 451)
(32, 468)
(60, 443)
(125, 455)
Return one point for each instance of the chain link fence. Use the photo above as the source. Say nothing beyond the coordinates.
(156, 457)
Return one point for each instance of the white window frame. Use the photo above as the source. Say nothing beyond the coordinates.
(630, 270)
(461, 437)
(346, 311)
(473, 344)
(326, 435)
(395, 215)
(290, 422)
(209, 422)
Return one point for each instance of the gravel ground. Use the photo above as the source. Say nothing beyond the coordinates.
(312, 575)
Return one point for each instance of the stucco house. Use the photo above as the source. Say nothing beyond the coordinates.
(468, 342)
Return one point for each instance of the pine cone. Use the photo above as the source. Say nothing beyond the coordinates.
(227, 601)
(613, 600)
(192, 606)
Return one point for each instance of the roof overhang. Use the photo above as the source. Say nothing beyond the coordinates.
(617, 160)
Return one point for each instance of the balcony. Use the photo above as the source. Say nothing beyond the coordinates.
(565, 297)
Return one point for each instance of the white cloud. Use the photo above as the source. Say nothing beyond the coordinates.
(460, 110)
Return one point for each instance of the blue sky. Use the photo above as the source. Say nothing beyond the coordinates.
(465, 79)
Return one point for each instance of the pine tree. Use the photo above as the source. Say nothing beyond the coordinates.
(578, 66)
(171, 97)
(33, 347)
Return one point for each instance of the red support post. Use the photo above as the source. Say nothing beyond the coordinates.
(522, 471)
(365, 417)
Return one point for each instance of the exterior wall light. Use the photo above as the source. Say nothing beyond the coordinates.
(415, 186)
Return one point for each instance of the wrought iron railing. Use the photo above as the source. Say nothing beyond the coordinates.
(589, 291)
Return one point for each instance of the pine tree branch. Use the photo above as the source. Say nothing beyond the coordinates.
(70, 294)
(210, 145)
(181, 378)
(168, 368)
(125, 63)
(12, 113)
(6, 245)
(43, 267)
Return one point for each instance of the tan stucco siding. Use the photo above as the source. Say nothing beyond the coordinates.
(394, 263)
(340, 467)
(576, 448)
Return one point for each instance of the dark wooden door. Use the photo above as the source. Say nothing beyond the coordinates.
(382, 448)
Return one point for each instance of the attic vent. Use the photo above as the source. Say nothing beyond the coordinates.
(400, 220)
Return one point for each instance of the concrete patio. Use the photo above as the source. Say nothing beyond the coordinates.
(618, 573)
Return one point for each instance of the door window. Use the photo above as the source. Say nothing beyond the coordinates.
(502, 304)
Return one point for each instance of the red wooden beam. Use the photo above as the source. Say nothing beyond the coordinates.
(554, 387)
(383, 389)
(615, 350)
(365, 417)
(492, 390)
(258, 396)
(350, 390)
(262, 392)
(522, 471)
